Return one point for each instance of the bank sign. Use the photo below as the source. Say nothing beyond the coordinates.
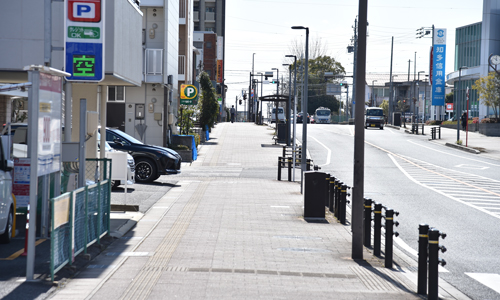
(84, 40)
(439, 67)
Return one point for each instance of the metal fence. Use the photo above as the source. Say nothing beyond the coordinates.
(81, 217)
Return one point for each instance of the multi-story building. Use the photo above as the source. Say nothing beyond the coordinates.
(27, 39)
(474, 44)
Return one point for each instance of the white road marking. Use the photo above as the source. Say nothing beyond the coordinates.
(276, 206)
(329, 153)
(474, 167)
(439, 191)
(414, 252)
(490, 280)
(450, 154)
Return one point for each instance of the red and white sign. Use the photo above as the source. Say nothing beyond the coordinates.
(84, 10)
(449, 107)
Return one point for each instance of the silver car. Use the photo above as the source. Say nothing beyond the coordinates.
(6, 201)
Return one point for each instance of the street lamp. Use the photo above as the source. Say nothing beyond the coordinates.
(294, 109)
(289, 103)
(373, 92)
(304, 104)
(458, 104)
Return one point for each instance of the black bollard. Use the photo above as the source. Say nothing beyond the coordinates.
(308, 165)
(377, 229)
(389, 239)
(327, 189)
(367, 233)
(433, 263)
(289, 169)
(343, 204)
(284, 151)
(332, 193)
(423, 230)
(338, 186)
(279, 168)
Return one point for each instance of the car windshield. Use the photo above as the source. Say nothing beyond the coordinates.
(323, 113)
(126, 136)
(375, 112)
(280, 110)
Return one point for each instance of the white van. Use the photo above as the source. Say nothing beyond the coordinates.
(6, 201)
(281, 115)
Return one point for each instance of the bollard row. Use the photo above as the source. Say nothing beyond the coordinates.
(286, 162)
(428, 252)
(376, 208)
(336, 198)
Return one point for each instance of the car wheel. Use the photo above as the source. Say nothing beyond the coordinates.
(145, 170)
(115, 184)
(7, 235)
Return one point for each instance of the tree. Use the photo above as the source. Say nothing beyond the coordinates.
(449, 98)
(209, 107)
(402, 106)
(316, 48)
(385, 106)
(488, 89)
(317, 82)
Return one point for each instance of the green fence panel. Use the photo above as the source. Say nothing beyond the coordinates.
(92, 213)
(79, 220)
(105, 196)
(60, 236)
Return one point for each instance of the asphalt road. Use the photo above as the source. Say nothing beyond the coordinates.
(453, 191)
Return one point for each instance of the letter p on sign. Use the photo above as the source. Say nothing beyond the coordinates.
(188, 91)
(84, 10)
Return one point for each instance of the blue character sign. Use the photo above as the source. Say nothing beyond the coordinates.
(439, 67)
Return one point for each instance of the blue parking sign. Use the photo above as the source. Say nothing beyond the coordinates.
(84, 40)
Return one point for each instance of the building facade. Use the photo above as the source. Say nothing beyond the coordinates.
(474, 44)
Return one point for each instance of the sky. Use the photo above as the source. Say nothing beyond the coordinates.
(263, 27)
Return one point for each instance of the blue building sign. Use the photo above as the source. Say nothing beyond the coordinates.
(439, 67)
(84, 40)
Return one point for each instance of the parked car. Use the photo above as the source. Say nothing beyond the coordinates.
(6, 201)
(300, 118)
(150, 161)
(281, 115)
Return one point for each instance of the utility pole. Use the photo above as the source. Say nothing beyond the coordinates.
(391, 100)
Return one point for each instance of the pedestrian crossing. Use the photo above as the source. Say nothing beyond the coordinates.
(473, 190)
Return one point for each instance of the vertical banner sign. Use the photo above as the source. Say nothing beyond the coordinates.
(219, 71)
(439, 67)
(84, 40)
(220, 57)
(49, 124)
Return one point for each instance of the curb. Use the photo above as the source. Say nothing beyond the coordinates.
(132, 219)
(463, 148)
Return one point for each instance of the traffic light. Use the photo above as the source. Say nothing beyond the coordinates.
(240, 101)
(275, 81)
(245, 96)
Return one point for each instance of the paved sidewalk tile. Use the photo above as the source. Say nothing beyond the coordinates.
(230, 230)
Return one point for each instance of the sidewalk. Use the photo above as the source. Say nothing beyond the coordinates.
(230, 230)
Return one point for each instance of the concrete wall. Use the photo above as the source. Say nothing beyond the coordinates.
(124, 41)
(22, 34)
